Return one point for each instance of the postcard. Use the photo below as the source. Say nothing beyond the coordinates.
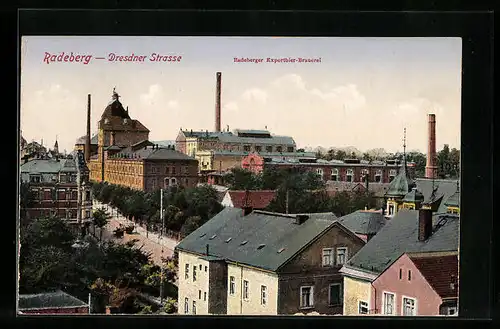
(239, 175)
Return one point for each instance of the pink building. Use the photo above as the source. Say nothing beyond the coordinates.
(418, 284)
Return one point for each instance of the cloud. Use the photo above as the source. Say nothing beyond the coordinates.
(153, 95)
(256, 94)
(231, 106)
(347, 97)
(173, 104)
(417, 107)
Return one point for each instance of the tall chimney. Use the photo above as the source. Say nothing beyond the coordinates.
(430, 167)
(217, 102)
(87, 138)
(424, 224)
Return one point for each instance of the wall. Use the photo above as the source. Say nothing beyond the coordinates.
(307, 269)
(427, 300)
(184, 172)
(235, 303)
(354, 291)
(190, 289)
(226, 162)
(217, 291)
(125, 172)
(125, 138)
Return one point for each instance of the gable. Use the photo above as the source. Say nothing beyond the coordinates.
(180, 137)
(310, 257)
(226, 201)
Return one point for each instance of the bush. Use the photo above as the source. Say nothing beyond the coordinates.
(170, 306)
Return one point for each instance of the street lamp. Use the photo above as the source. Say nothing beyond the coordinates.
(161, 243)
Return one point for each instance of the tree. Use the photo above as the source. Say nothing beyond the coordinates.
(241, 179)
(455, 163)
(100, 218)
(340, 155)
(443, 162)
(191, 224)
(27, 198)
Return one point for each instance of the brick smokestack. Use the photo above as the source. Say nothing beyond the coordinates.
(87, 137)
(430, 167)
(424, 224)
(217, 102)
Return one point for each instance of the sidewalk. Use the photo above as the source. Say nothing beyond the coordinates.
(154, 237)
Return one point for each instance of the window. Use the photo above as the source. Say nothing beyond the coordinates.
(341, 255)
(327, 257)
(349, 175)
(173, 170)
(205, 296)
(87, 213)
(335, 294)
(153, 183)
(245, 289)
(306, 297)
(200, 267)
(279, 149)
(186, 170)
(408, 306)
(409, 275)
(186, 182)
(319, 172)
(400, 273)
(335, 174)
(186, 305)
(232, 285)
(258, 148)
(167, 170)
(362, 307)
(452, 310)
(263, 295)
(269, 148)
(388, 303)
(199, 294)
(194, 307)
(194, 273)
(378, 176)
(35, 179)
(391, 209)
(205, 268)
(246, 148)
(186, 273)
(289, 149)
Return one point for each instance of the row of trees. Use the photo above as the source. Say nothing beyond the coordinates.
(299, 191)
(185, 208)
(53, 255)
(448, 160)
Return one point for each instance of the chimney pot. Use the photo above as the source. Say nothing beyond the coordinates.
(247, 210)
(207, 250)
(424, 224)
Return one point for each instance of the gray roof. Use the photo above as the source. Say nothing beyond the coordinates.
(49, 300)
(273, 140)
(364, 221)
(400, 235)
(400, 185)
(275, 231)
(446, 187)
(414, 196)
(279, 155)
(151, 153)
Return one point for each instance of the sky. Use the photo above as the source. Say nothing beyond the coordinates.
(362, 93)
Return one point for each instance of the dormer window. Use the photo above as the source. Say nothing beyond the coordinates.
(261, 246)
(35, 179)
(213, 236)
(243, 243)
(281, 250)
(229, 239)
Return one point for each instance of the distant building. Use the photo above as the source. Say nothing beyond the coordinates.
(418, 284)
(148, 167)
(260, 263)
(256, 199)
(32, 150)
(54, 185)
(349, 170)
(116, 131)
(49, 303)
(80, 144)
(126, 157)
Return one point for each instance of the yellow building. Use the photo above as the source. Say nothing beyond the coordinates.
(279, 264)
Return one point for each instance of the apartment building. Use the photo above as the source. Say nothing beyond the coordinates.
(253, 262)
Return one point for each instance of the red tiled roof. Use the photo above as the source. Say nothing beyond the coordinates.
(255, 199)
(440, 272)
